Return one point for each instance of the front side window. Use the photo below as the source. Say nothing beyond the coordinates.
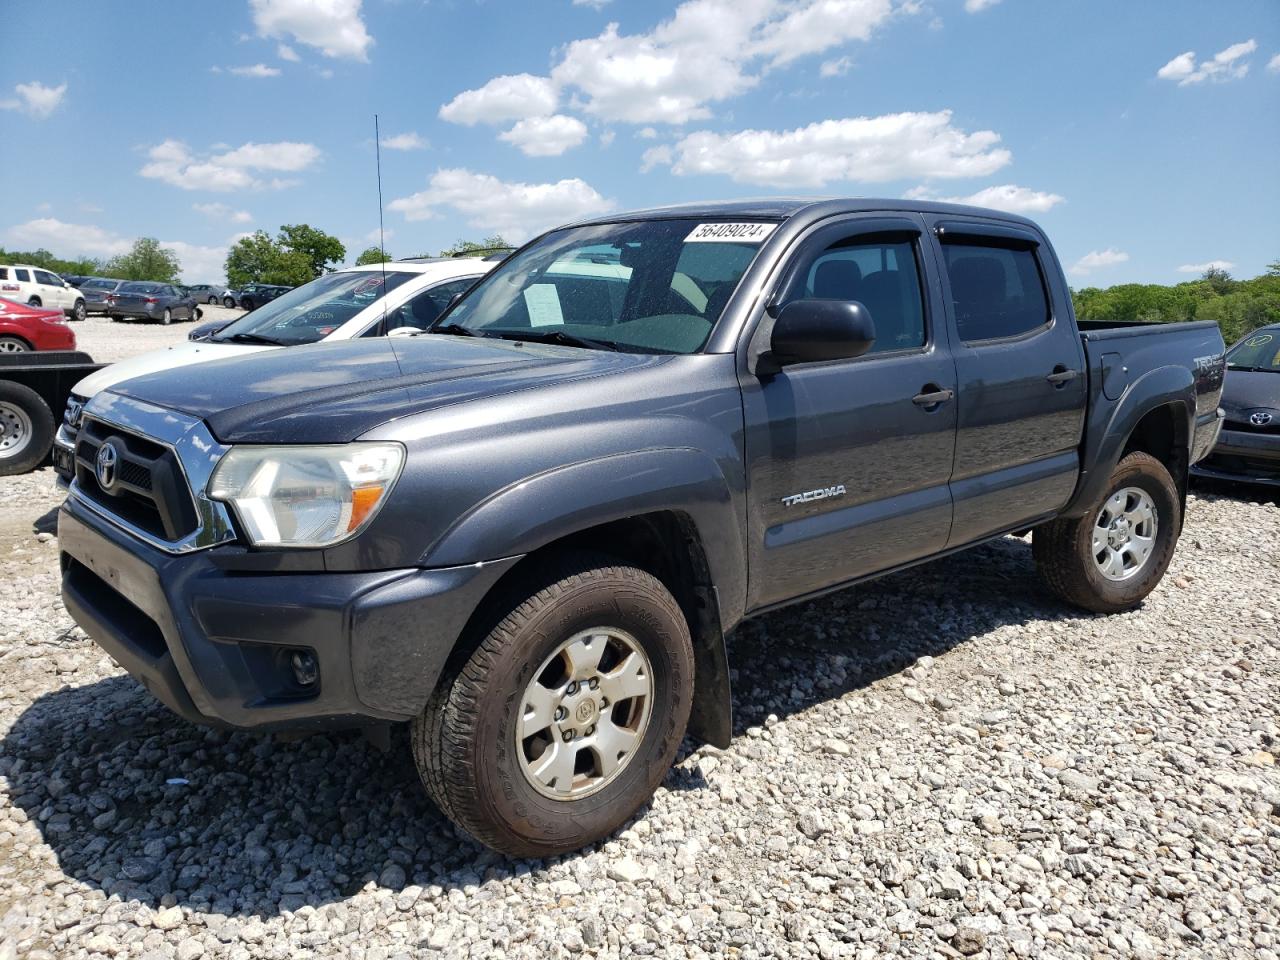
(314, 310)
(48, 279)
(423, 309)
(654, 286)
(882, 276)
(997, 292)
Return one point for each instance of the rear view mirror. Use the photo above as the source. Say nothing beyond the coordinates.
(810, 331)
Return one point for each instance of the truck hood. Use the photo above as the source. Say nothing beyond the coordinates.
(179, 355)
(1245, 390)
(334, 392)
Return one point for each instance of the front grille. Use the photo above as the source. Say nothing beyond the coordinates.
(146, 486)
(1244, 426)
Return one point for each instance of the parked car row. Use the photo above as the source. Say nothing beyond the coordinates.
(253, 295)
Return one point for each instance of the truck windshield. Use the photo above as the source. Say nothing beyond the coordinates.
(1258, 351)
(655, 286)
(314, 310)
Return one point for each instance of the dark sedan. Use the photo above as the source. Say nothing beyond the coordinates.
(1249, 446)
(253, 295)
(96, 290)
(145, 300)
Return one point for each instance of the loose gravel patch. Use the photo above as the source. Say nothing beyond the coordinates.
(942, 763)
(110, 340)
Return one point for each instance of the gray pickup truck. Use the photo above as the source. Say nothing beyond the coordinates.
(527, 531)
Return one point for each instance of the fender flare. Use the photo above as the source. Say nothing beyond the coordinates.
(1163, 386)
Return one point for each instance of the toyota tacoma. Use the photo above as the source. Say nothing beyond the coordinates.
(526, 531)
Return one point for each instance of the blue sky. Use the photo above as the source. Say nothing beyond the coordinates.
(1145, 137)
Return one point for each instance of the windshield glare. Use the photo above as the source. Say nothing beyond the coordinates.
(314, 310)
(643, 287)
(1259, 350)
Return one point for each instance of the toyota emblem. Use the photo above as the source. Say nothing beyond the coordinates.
(1260, 419)
(108, 459)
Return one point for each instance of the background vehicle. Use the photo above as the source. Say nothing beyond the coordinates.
(23, 328)
(207, 292)
(203, 331)
(1249, 447)
(160, 302)
(357, 302)
(527, 531)
(41, 288)
(253, 295)
(73, 278)
(33, 386)
(95, 291)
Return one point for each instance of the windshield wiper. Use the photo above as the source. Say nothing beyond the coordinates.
(1248, 369)
(453, 330)
(250, 338)
(557, 337)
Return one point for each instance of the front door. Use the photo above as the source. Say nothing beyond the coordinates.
(849, 460)
(1020, 365)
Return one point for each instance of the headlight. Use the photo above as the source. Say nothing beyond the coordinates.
(299, 496)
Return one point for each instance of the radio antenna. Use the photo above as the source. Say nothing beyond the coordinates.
(382, 245)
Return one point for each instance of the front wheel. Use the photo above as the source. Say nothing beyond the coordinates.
(212, 301)
(228, 303)
(1114, 556)
(78, 312)
(566, 717)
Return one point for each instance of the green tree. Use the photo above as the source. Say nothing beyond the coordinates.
(147, 260)
(472, 246)
(322, 251)
(1219, 279)
(81, 266)
(259, 259)
(372, 255)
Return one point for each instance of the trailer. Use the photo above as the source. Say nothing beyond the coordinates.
(34, 387)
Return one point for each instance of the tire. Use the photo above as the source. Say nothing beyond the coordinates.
(78, 312)
(196, 314)
(166, 318)
(35, 302)
(26, 428)
(212, 301)
(228, 303)
(13, 345)
(1064, 549)
(246, 304)
(466, 742)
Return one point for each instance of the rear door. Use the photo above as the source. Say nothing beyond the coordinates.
(1020, 367)
(847, 465)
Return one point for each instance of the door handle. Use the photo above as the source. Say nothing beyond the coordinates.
(1061, 376)
(930, 396)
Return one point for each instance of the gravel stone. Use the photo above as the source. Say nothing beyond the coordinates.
(1065, 785)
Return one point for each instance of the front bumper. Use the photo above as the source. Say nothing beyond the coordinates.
(1249, 457)
(215, 644)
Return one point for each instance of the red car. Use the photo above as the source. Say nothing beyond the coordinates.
(33, 328)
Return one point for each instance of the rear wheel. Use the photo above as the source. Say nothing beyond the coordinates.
(13, 345)
(1114, 556)
(26, 428)
(566, 717)
(247, 304)
(212, 301)
(228, 303)
(34, 302)
(78, 312)
(167, 317)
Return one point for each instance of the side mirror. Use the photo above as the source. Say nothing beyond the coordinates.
(808, 331)
(403, 332)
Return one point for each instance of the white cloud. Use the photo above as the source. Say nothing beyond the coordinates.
(660, 156)
(857, 149)
(515, 210)
(67, 239)
(606, 138)
(405, 141)
(977, 6)
(173, 162)
(257, 70)
(1099, 259)
(501, 99)
(1225, 65)
(706, 52)
(334, 27)
(199, 263)
(286, 52)
(220, 211)
(1273, 65)
(374, 235)
(595, 4)
(546, 136)
(1008, 197)
(35, 99)
(835, 68)
(1202, 267)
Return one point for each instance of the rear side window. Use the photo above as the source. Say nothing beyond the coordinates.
(997, 292)
(4, 273)
(22, 275)
(882, 276)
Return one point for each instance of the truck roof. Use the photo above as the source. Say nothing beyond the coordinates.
(785, 208)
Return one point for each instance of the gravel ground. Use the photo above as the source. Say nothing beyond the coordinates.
(110, 340)
(942, 763)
